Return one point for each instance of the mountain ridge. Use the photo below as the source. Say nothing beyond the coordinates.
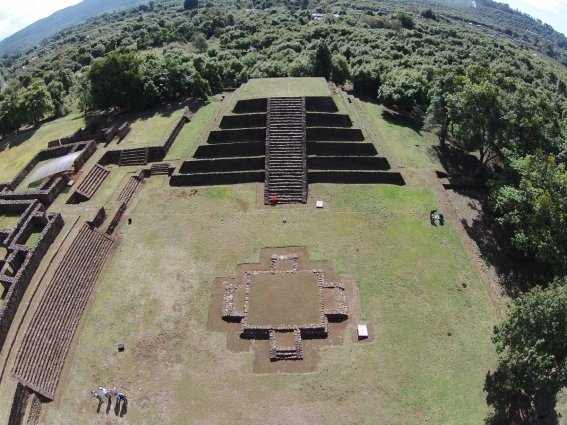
(59, 20)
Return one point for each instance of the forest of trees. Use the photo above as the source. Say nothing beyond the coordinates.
(476, 90)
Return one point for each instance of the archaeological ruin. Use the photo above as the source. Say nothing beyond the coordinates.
(286, 143)
(56, 236)
(286, 301)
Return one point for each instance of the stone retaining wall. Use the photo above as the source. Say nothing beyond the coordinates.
(250, 106)
(320, 104)
(26, 259)
(231, 150)
(117, 217)
(54, 186)
(109, 133)
(321, 119)
(243, 121)
(334, 134)
(348, 163)
(176, 130)
(341, 149)
(356, 177)
(123, 130)
(207, 179)
(238, 135)
(19, 405)
(223, 165)
(46, 195)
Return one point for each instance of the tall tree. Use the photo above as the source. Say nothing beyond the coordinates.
(437, 111)
(116, 80)
(84, 94)
(36, 102)
(200, 43)
(322, 62)
(57, 93)
(535, 208)
(475, 108)
(11, 113)
(339, 69)
(532, 350)
(531, 120)
(366, 79)
(405, 89)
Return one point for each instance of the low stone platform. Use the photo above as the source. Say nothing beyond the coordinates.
(281, 307)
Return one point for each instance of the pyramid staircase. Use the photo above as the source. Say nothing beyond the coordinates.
(286, 154)
(134, 157)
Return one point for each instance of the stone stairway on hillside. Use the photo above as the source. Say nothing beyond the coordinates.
(286, 155)
(134, 157)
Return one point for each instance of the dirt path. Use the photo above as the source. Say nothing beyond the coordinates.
(488, 277)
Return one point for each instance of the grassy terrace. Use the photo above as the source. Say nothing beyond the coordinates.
(196, 132)
(276, 87)
(17, 150)
(431, 315)
(151, 128)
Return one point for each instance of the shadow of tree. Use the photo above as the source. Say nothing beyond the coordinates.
(515, 407)
(516, 272)
(163, 110)
(456, 161)
(17, 139)
(413, 123)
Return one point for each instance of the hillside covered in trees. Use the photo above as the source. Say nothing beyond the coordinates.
(488, 80)
(72, 15)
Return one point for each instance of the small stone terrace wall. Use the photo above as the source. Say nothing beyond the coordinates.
(23, 260)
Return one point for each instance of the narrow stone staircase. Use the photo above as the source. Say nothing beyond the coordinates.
(133, 157)
(159, 169)
(286, 154)
(92, 181)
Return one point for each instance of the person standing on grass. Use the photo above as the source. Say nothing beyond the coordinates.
(103, 392)
(122, 397)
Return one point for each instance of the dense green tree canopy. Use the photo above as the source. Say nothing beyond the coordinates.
(535, 208)
(405, 89)
(117, 81)
(36, 102)
(532, 352)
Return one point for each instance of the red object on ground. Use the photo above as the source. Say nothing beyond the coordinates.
(273, 198)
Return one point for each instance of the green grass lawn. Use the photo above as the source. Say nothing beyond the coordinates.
(151, 128)
(428, 307)
(8, 220)
(431, 316)
(33, 237)
(407, 146)
(275, 87)
(194, 132)
(17, 150)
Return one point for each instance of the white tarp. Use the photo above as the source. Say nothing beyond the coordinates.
(56, 165)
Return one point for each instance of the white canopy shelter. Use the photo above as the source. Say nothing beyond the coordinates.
(362, 331)
(55, 166)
